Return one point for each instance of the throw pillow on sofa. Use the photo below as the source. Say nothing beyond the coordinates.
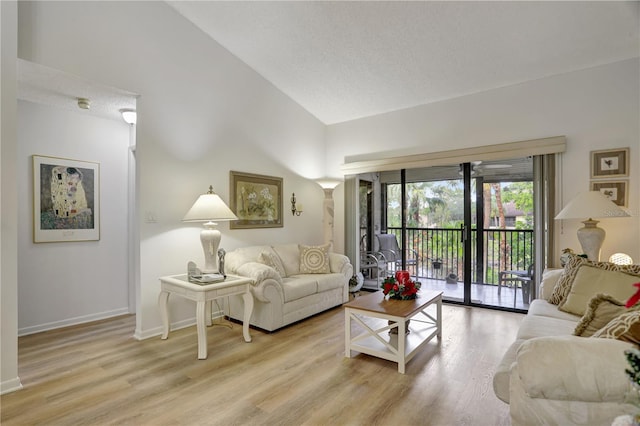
(601, 309)
(625, 327)
(563, 287)
(590, 280)
(272, 259)
(315, 259)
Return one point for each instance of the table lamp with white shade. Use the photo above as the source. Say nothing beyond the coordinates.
(209, 208)
(591, 205)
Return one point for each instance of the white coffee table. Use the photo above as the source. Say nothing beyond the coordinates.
(377, 340)
(203, 295)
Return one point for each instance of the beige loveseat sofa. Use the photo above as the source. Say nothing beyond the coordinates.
(291, 282)
(550, 375)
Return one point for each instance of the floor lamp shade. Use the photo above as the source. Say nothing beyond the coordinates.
(209, 208)
(591, 205)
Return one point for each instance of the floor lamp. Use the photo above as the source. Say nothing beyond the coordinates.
(209, 208)
(591, 204)
(328, 185)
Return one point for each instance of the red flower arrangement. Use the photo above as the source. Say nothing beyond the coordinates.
(635, 298)
(400, 287)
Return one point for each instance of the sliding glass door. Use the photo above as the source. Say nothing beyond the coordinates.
(468, 226)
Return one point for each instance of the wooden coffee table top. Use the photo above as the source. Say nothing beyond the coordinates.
(376, 302)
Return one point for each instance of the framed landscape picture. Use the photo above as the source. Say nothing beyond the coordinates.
(616, 191)
(256, 200)
(610, 163)
(66, 200)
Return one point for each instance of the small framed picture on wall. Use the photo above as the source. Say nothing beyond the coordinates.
(610, 163)
(615, 190)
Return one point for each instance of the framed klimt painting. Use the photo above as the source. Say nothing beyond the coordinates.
(610, 163)
(256, 200)
(614, 190)
(66, 200)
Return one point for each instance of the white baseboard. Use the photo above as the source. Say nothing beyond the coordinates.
(10, 386)
(72, 321)
(157, 331)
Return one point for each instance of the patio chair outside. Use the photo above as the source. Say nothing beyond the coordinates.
(388, 246)
(525, 278)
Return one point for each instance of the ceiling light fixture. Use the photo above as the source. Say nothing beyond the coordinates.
(84, 103)
(130, 116)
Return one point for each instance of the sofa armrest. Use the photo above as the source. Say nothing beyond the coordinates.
(340, 263)
(573, 368)
(263, 276)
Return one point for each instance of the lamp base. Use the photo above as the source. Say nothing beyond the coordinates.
(210, 239)
(591, 238)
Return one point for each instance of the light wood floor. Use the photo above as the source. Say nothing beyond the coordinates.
(97, 374)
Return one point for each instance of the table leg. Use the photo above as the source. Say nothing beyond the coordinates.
(439, 318)
(402, 340)
(202, 329)
(163, 300)
(248, 309)
(347, 332)
(207, 313)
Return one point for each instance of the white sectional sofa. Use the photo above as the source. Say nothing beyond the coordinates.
(549, 376)
(291, 282)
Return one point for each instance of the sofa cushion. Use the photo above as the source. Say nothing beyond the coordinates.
(270, 258)
(290, 256)
(539, 307)
(298, 286)
(535, 326)
(590, 281)
(550, 278)
(562, 289)
(625, 327)
(601, 309)
(314, 259)
(236, 258)
(329, 281)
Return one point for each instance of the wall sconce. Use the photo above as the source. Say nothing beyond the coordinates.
(296, 209)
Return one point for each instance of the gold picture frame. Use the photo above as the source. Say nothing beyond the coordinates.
(256, 200)
(610, 163)
(615, 190)
(66, 200)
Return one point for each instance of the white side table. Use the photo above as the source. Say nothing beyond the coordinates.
(203, 295)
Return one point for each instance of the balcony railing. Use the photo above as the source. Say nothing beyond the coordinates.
(440, 252)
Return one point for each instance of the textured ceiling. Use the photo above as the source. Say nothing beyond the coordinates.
(47, 86)
(347, 60)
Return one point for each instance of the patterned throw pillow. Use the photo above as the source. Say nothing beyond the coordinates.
(590, 281)
(314, 259)
(563, 287)
(272, 259)
(625, 327)
(601, 309)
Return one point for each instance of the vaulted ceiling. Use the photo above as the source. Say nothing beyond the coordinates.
(346, 60)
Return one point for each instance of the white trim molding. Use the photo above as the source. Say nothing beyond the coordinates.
(10, 386)
(501, 151)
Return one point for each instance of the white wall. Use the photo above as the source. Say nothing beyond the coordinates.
(9, 380)
(65, 283)
(597, 108)
(201, 113)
